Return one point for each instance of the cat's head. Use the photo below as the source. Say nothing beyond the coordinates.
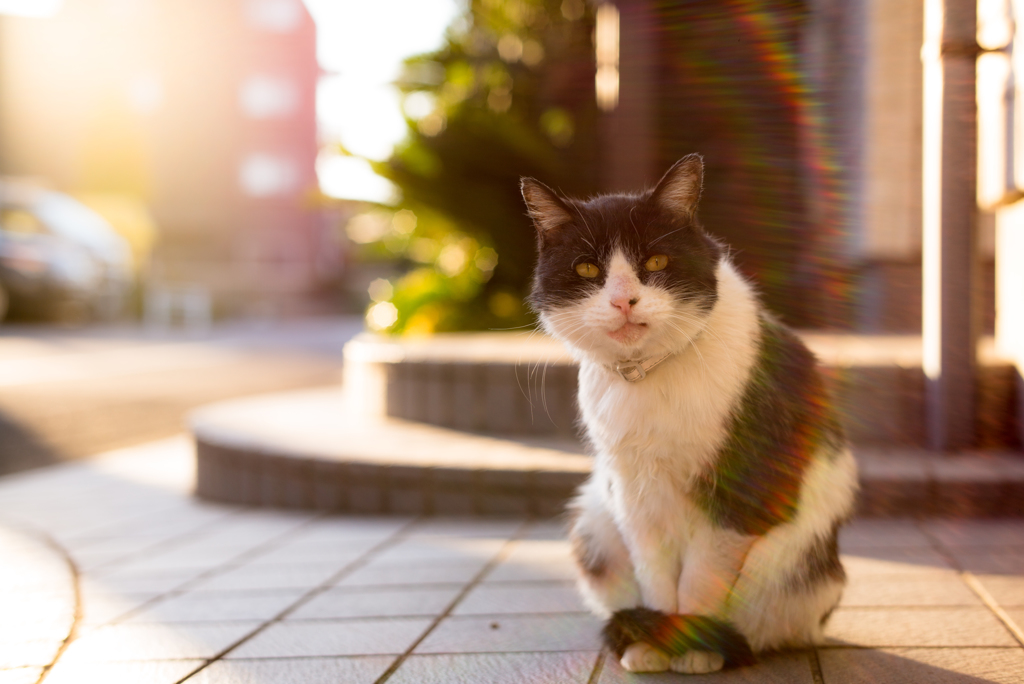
(624, 276)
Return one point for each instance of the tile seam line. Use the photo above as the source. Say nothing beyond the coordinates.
(76, 617)
(501, 555)
(231, 564)
(975, 586)
(978, 588)
(814, 661)
(347, 569)
(198, 531)
(595, 672)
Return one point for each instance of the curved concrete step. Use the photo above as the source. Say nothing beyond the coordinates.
(311, 450)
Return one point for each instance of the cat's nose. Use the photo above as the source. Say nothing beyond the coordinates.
(624, 303)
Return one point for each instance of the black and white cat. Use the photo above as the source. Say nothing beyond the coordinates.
(721, 475)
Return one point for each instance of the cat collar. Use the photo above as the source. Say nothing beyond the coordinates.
(634, 371)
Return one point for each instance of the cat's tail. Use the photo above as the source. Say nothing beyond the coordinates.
(677, 634)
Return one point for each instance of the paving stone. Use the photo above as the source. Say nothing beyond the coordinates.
(98, 607)
(355, 670)
(251, 577)
(440, 550)
(998, 533)
(1017, 615)
(376, 602)
(465, 528)
(384, 574)
(488, 599)
(922, 665)
(788, 668)
(952, 627)
(496, 668)
(208, 606)
(989, 561)
(895, 561)
(333, 638)
(1008, 591)
(24, 653)
(514, 633)
(903, 590)
(535, 559)
(21, 675)
(124, 642)
(318, 553)
(149, 672)
(873, 533)
(149, 582)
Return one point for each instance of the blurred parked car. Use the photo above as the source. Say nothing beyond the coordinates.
(58, 258)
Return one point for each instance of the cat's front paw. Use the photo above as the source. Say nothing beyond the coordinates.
(641, 657)
(697, 662)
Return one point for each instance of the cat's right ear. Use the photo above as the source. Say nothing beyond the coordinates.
(546, 208)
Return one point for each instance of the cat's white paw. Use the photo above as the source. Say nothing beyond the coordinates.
(697, 662)
(641, 657)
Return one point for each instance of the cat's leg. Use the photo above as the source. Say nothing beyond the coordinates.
(606, 578)
(711, 568)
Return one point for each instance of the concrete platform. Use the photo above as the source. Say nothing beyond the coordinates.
(173, 590)
(314, 450)
(525, 383)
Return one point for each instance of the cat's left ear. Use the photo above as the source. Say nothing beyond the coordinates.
(546, 208)
(679, 189)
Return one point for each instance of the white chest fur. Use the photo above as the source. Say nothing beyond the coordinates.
(667, 425)
(653, 436)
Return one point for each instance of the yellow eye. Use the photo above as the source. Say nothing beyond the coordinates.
(587, 270)
(656, 262)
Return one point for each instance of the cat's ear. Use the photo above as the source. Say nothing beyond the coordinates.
(679, 189)
(546, 208)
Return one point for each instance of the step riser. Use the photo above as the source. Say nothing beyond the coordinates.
(235, 475)
(880, 405)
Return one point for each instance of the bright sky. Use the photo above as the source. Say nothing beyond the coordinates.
(361, 45)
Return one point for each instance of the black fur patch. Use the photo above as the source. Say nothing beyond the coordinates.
(587, 557)
(641, 229)
(677, 634)
(820, 562)
(783, 420)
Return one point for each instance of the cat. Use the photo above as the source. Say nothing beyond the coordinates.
(707, 530)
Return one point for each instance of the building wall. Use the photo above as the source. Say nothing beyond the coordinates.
(891, 227)
(205, 109)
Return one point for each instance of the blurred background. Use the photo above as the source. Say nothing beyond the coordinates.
(186, 162)
(275, 157)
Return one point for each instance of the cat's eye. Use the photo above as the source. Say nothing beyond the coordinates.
(656, 262)
(587, 270)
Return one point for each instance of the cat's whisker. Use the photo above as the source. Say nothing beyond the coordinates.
(658, 239)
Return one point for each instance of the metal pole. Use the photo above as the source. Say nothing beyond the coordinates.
(949, 208)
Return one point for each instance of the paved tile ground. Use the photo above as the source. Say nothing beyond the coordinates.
(170, 589)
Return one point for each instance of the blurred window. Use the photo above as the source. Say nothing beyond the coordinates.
(279, 16)
(268, 97)
(267, 175)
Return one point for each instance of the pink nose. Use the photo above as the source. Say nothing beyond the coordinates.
(624, 303)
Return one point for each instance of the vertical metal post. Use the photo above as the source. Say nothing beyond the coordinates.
(949, 209)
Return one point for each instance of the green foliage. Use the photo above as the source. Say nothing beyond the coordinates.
(509, 95)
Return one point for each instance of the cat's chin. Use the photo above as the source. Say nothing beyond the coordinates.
(629, 334)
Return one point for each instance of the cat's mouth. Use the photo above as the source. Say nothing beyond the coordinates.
(629, 332)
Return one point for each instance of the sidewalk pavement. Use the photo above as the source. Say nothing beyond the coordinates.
(164, 588)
